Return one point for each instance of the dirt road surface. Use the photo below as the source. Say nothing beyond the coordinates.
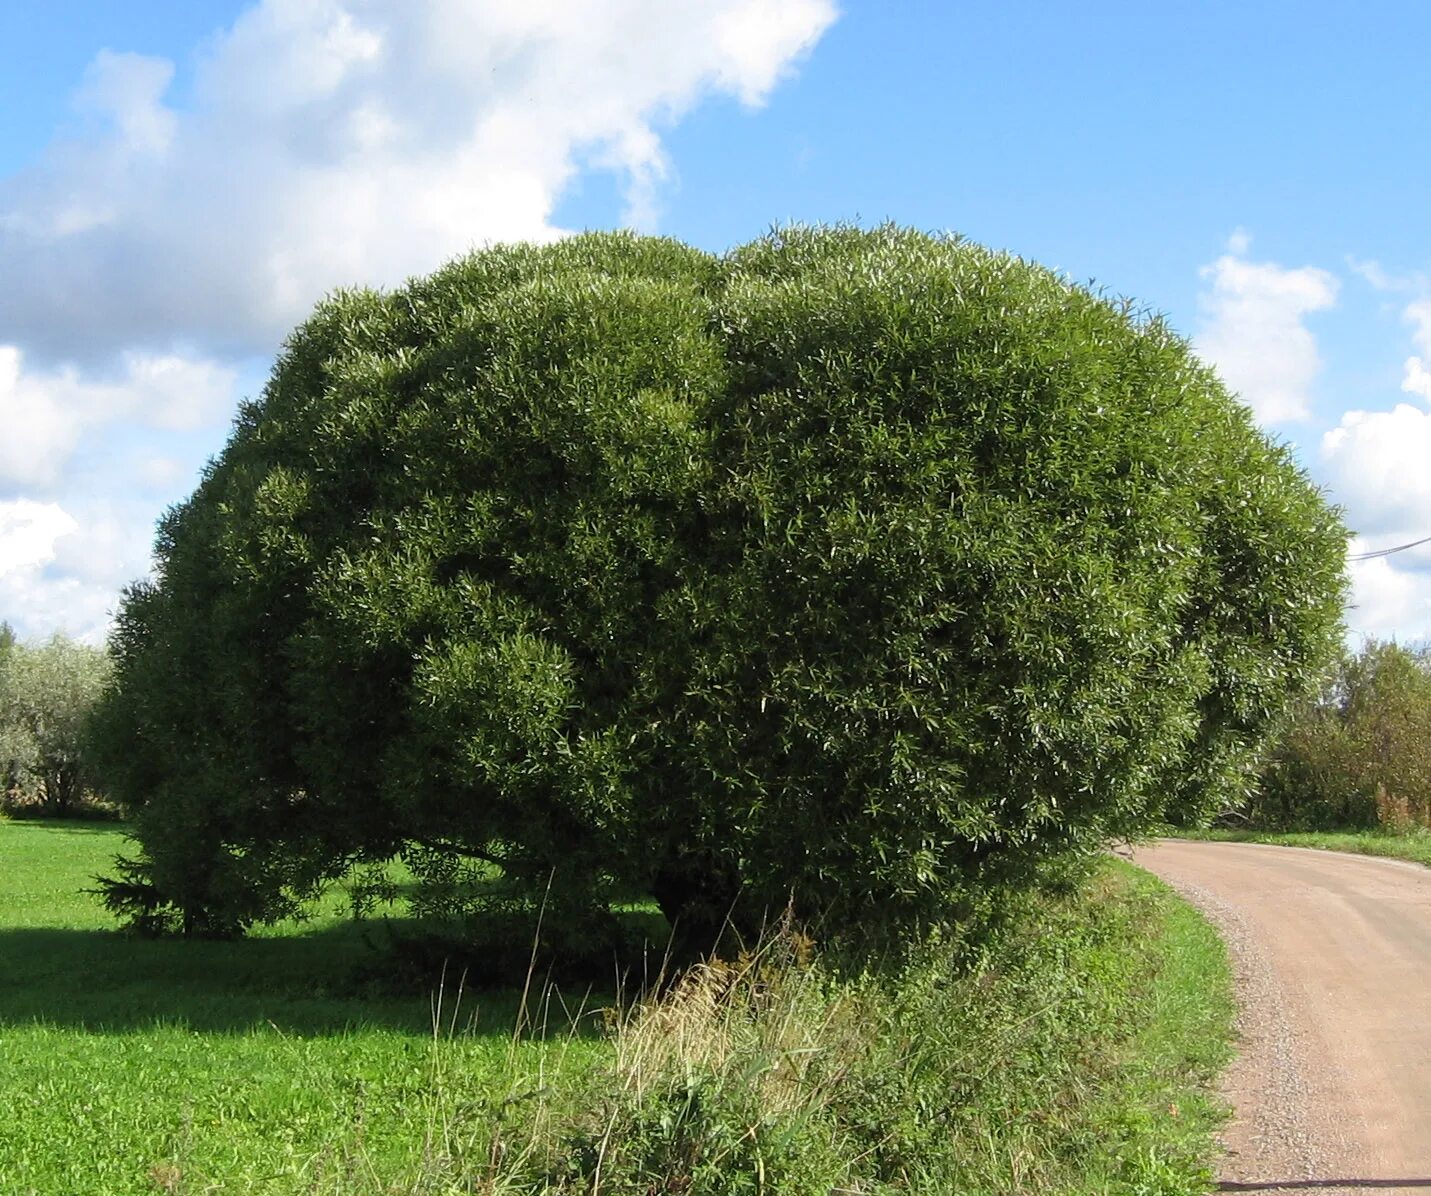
(1332, 955)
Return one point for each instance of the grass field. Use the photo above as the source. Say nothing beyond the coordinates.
(1076, 1058)
(130, 1066)
(1415, 847)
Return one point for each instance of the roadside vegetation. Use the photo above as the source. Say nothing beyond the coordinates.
(1414, 846)
(1355, 755)
(1072, 1053)
(1350, 769)
(759, 650)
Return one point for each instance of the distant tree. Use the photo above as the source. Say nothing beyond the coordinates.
(9, 768)
(47, 696)
(860, 569)
(1358, 753)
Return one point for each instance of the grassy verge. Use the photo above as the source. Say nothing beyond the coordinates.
(1074, 1056)
(1415, 846)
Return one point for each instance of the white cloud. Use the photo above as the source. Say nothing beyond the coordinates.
(38, 431)
(1376, 465)
(1390, 598)
(34, 599)
(1376, 462)
(354, 141)
(1382, 279)
(125, 92)
(45, 414)
(159, 248)
(756, 42)
(1254, 332)
(1417, 377)
(43, 602)
(61, 567)
(28, 531)
(1372, 272)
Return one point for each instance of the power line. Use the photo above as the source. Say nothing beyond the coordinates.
(1380, 552)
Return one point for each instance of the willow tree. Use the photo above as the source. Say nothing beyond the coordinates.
(864, 570)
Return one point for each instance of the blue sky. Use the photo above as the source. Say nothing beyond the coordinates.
(179, 181)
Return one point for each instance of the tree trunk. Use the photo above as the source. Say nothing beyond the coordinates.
(702, 905)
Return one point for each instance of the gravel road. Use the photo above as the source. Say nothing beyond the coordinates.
(1332, 954)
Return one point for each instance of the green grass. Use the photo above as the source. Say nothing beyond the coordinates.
(1415, 846)
(1181, 1014)
(1075, 1057)
(1115, 1020)
(131, 1066)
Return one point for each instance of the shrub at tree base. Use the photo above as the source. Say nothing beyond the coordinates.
(863, 570)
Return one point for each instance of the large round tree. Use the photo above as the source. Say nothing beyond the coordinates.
(861, 569)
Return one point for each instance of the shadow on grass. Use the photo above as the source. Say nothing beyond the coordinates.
(103, 982)
(79, 826)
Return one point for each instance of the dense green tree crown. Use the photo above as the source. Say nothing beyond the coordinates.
(864, 567)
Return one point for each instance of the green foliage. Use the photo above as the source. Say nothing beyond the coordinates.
(866, 570)
(1358, 754)
(1413, 845)
(47, 696)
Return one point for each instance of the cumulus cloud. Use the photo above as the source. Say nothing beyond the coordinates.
(44, 414)
(1416, 379)
(1376, 462)
(1390, 598)
(34, 598)
(1253, 329)
(62, 566)
(28, 531)
(125, 94)
(335, 142)
(159, 247)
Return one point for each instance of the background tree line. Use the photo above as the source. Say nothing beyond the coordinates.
(1357, 754)
(48, 693)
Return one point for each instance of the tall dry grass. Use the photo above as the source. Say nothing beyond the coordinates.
(1063, 1057)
